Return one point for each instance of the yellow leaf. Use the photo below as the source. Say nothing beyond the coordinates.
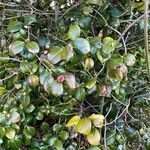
(97, 120)
(84, 126)
(94, 137)
(73, 121)
(2, 90)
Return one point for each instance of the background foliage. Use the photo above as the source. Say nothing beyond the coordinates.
(82, 59)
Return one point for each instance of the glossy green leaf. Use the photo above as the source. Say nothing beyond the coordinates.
(2, 117)
(57, 127)
(64, 135)
(115, 12)
(45, 127)
(70, 81)
(2, 132)
(129, 59)
(14, 26)
(16, 47)
(43, 42)
(47, 83)
(39, 116)
(97, 2)
(15, 117)
(80, 94)
(89, 63)
(29, 19)
(84, 126)
(33, 80)
(57, 88)
(67, 52)
(54, 56)
(16, 143)
(101, 58)
(115, 60)
(51, 141)
(82, 45)
(95, 44)
(58, 144)
(109, 45)
(111, 138)
(32, 47)
(93, 148)
(74, 32)
(90, 84)
(10, 132)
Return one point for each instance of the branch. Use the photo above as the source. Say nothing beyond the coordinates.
(146, 2)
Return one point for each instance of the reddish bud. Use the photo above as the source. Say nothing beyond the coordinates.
(60, 78)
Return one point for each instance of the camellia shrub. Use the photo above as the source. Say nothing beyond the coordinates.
(73, 75)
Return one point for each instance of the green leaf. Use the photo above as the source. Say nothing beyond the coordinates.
(15, 117)
(47, 83)
(57, 127)
(29, 19)
(129, 59)
(51, 141)
(2, 117)
(16, 143)
(73, 121)
(16, 47)
(96, 2)
(14, 26)
(109, 45)
(74, 32)
(70, 80)
(85, 22)
(43, 75)
(57, 88)
(97, 120)
(80, 94)
(64, 135)
(33, 80)
(95, 44)
(90, 84)
(29, 132)
(39, 116)
(10, 133)
(101, 58)
(33, 47)
(55, 55)
(131, 133)
(45, 127)
(25, 100)
(67, 52)
(115, 12)
(82, 45)
(2, 132)
(111, 138)
(89, 63)
(58, 144)
(2, 90)
(84, 126)
(43, 42)
(115, 60)
(121, 71)
(93, 148)
(93, 137)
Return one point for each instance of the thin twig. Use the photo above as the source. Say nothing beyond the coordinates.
(134, 22)
(146, 2)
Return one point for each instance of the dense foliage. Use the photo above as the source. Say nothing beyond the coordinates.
(73, 75)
